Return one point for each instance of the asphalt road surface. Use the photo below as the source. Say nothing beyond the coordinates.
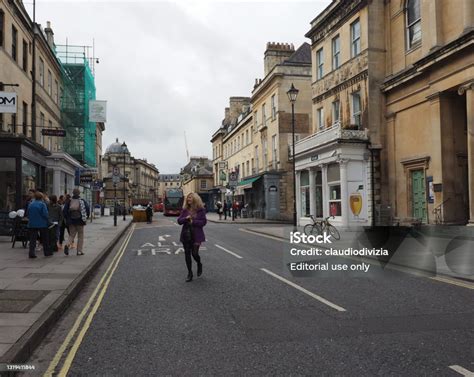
(246, 317)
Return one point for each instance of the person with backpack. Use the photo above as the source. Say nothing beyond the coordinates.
(193, 219)
(76, 212)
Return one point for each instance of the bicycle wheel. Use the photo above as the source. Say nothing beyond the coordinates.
(310, 229)
(331, 229)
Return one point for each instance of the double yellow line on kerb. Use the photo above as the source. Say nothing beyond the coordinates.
(98, 293)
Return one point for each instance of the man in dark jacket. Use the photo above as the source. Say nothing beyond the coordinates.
(76, 212)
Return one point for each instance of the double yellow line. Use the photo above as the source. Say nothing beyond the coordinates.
(98, 293)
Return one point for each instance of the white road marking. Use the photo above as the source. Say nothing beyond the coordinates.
(148, 244)
(180, 250)
(319, 298)
(228, 251)
(462, 371)
(139, 252)
(175, 244)
(161, 238)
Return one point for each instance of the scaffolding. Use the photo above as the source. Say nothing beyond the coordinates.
(78, 89)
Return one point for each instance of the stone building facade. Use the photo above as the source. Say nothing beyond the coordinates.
(336, 164)
(429, 118)
(30, 68)
(392, 114)
(255, 135)
(138, 179)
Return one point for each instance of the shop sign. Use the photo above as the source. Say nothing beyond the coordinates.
(8, 102)
(53, 132)
(97, 111)
(233, 179)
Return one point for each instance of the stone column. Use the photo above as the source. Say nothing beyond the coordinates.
(468, 89)
(324, 182)
(298, 198)
(56, 181)
(312, 192)
(344, 193)
(468, 15)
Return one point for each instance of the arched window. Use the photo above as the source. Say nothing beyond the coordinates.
(413, 22)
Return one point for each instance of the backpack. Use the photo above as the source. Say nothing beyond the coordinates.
(75, 209)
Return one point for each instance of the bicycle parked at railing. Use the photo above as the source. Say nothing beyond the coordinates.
(320, 226)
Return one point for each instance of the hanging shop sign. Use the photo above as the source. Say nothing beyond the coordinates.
(233, 179)
(8, 103)
(97, 111)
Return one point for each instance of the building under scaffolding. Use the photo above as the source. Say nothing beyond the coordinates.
(78, 89)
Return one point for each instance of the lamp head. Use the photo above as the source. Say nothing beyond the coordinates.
(292, 93)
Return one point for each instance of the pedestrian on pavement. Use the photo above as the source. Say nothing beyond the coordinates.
(219, 209)
(55, 217)
(149, 212)
(29, 199)
(76, 212)
(225, 209)
(193, 219)
(38, 221)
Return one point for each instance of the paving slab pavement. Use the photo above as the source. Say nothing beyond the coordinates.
(447, 251)
(34, 292)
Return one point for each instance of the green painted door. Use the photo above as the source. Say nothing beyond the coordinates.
(418, 194)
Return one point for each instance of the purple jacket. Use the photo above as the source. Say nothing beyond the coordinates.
(199, 221)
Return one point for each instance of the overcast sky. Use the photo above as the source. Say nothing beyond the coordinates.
(170, 67)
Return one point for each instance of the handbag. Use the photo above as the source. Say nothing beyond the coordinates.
(188, 236)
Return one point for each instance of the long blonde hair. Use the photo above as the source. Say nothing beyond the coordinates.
(196, 204)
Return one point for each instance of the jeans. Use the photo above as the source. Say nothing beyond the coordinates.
(44, 234)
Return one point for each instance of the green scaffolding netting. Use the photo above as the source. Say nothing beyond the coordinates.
(78, 89)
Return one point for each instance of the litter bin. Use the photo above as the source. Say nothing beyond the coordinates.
(139, 215)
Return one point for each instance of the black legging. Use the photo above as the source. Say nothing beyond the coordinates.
(191, 249)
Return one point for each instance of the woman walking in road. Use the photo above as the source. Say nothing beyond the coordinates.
(193, 219)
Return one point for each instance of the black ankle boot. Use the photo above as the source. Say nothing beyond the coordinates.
(199, 269)
(190, 277)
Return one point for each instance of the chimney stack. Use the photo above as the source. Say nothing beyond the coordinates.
(49, 34)
(276, 53)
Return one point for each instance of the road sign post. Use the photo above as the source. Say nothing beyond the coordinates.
(233, 181)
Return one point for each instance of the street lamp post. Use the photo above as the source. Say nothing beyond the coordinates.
(115, 204)
(292, 95)
(124, 150)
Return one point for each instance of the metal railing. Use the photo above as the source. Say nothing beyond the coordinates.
(438, 212)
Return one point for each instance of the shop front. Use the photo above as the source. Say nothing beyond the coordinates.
(334, 180)
(22, 167)
(60, 173)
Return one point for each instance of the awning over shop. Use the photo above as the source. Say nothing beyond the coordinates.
(247, 183)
